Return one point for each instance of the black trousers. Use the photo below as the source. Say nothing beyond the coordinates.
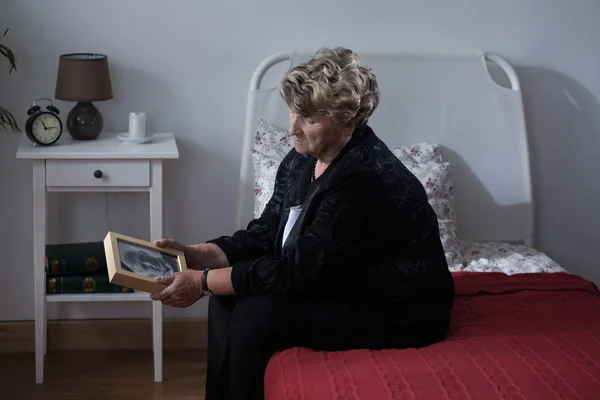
(244, 332)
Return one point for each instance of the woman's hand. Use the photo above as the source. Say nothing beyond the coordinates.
(183, 289)
(193, 257)
(197, 256)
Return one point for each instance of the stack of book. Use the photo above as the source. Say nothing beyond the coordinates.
(78, 268)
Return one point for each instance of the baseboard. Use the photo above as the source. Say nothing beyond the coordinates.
(104, 334)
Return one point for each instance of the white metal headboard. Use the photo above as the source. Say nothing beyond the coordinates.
(452, 99)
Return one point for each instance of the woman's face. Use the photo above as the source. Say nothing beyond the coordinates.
(318, 135)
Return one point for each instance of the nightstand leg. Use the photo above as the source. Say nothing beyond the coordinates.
(157, 339)
(156, 232)
(39, 273)
(45, 324)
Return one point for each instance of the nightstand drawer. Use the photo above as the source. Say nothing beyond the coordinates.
(61, 173)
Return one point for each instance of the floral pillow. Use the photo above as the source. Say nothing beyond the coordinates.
(419, 153)
(434, 175)
(271, 141)
(271, 144)
(506, 258)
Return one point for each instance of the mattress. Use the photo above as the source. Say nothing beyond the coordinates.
(517, 335)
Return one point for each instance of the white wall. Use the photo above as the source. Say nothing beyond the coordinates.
(188, 64)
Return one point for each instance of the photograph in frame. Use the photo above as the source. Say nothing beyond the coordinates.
(135, 263)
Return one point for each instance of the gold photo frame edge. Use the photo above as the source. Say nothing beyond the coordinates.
(118, 276)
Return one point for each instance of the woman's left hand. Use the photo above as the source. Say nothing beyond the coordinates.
(183, 289)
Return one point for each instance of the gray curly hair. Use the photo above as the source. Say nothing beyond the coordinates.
(332, 83)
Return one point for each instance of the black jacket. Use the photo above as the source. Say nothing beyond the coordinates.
(366, 233)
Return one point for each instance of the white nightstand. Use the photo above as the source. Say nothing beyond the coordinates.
(101, 165)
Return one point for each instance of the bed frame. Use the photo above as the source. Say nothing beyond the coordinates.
(468, 102)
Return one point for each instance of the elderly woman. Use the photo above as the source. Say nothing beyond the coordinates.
(346, 254)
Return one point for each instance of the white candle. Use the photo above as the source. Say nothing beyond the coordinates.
(137, 124)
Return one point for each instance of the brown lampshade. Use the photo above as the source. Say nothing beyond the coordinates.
(83, 77)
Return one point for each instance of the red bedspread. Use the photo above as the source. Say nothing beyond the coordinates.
(530, 336)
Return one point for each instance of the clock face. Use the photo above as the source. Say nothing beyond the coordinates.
(46, 128)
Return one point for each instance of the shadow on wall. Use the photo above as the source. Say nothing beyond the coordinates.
(132, 88)
(135, 90)
(192, 188)
(563, 121)
(474, 203)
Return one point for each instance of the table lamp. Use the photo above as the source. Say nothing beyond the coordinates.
(84, 78)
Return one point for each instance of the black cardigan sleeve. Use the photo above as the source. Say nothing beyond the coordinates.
(350, 223)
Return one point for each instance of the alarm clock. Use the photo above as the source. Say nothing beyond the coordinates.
(43, 127)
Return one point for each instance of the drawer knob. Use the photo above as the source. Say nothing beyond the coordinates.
(98, 173)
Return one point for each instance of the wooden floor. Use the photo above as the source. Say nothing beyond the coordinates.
(118, 375)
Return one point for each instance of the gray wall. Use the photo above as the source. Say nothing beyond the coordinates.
(188, 64)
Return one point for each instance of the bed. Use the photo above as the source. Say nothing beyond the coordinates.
(523, 326)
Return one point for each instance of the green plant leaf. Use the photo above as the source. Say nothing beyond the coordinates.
(7, 121)
(9, 55)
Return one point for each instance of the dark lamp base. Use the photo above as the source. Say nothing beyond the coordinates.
(84, 121)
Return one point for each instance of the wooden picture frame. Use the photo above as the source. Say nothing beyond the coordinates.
(134, 263)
